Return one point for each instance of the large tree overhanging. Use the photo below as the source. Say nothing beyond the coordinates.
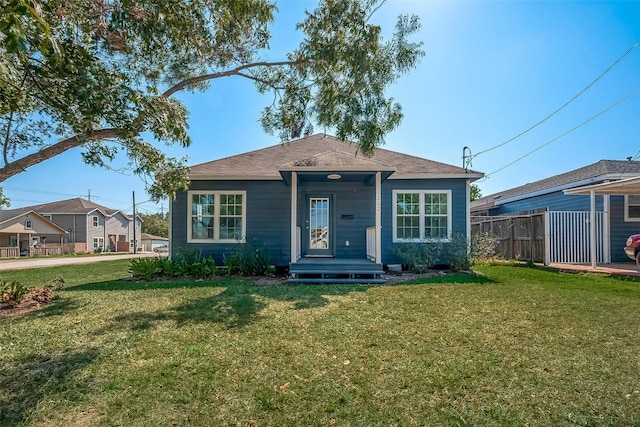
(97, 74)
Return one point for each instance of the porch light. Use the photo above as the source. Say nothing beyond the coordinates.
(334, 176)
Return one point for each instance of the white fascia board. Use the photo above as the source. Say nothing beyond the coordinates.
(588, 181)
(472, 176)
(234, 178)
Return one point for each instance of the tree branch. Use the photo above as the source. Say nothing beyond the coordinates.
(235, 72)
(23, 163)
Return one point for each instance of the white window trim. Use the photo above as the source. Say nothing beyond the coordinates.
(96, 242)
(216, 216)
(421, 195)
(28, 224)
(626, 211)
(95, 221)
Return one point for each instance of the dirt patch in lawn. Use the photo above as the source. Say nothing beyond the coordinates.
(35, 299)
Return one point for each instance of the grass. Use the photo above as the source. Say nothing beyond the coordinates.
(513, 346)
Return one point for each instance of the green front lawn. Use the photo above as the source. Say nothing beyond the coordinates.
(515, 346)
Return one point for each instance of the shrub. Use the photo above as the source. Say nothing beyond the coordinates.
(144, 268)
(457, 253)
(232, 265)
(483, 248)
(12, 292)
(254, 259)
(419, 257)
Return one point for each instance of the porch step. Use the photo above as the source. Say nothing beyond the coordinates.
(336, 271)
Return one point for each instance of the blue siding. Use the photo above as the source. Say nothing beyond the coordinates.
(268, 219)
(558, 201)
(459, 208)
(620, 230)
(269, 215)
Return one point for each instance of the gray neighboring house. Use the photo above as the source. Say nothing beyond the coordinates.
(92, 227)
(567, 209)
(321, 208)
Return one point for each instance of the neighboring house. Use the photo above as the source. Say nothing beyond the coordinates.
(317, 204)
(92, 227)
(150, 242)
(25, 232)
(568, 215)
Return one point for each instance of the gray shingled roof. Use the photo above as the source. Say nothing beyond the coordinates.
(69, 206)
(320, 151)
(591, 174)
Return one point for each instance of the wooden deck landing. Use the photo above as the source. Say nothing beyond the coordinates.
(332, 270)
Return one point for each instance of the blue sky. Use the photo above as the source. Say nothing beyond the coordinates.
(492, 69)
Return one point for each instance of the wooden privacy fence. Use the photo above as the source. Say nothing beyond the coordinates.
(549, 237)
(518, 237)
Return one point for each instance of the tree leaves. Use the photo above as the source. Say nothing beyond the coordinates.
(98, 73)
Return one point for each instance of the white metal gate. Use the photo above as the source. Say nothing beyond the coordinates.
(569, 237)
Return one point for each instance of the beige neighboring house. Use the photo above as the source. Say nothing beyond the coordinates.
(151, 242)
(25, 232)
(92, 227)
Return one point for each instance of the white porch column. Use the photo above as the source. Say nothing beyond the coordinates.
(378, 217)
(593, 229)
(294, 216)
(606, 225)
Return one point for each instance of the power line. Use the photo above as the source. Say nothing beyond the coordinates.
(563, 105)
(565, 133)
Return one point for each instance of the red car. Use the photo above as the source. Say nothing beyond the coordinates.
(632, 249)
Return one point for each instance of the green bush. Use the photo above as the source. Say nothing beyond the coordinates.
(457, 253)
(419, 257)
(483, 248)
(12, 292)
(254, 259)
(144, 268)
(232, 264)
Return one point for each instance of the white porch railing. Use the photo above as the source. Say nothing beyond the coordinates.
(46, 250)
(371, 243)
(10, 252)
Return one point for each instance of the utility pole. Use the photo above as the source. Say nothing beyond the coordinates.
(135, 243)
(89, 194)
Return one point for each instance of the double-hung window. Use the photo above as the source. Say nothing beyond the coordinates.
(632, 208)
(421, 215)
(217, 216)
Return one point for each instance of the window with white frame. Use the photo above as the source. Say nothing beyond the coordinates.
(98, 243)
(28, 224)
(217, 216)
(423, 215)
(94, 220)
(632, 208)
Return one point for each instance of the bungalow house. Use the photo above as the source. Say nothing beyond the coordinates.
(566, 201)
(322, 209)
(25, 232)
(92, 227)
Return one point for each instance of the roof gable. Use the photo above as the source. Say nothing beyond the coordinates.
(76, 206)
(321, 152)
(594, 173)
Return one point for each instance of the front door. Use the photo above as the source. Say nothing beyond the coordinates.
(319, 227)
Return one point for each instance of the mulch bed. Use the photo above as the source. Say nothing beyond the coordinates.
(35, 299)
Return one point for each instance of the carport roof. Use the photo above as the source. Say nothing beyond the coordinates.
(623, 187)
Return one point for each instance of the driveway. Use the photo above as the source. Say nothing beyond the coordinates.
(26, 263)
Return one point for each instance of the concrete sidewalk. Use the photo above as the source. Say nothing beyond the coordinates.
(621, 268)
(26, 263)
